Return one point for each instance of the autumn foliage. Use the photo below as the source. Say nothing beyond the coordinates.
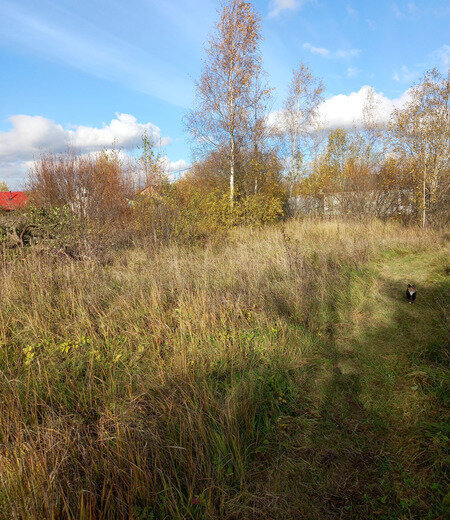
(178, 348)
(251, 167)
(96, 186)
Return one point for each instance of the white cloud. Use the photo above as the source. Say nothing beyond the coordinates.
(345, 110)
(124, 131)
(316, 50)
(405, 75)
(442, 55)
(277, 6)
(408, 9)
(31, 135)
(174, 168)
(13, 173)
(347, 53)
(339, 53)
(439, 58)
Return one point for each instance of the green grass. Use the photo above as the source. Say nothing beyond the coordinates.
(375, 446)
(280, 374)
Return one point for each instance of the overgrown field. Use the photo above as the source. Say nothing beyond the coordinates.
(273, 374)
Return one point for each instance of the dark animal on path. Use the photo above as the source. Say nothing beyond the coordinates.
(411, 293)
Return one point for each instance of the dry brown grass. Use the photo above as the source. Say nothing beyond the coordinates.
(151, 387)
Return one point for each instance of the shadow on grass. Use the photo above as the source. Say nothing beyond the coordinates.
(346, 459)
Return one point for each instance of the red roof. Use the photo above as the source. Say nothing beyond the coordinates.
(10, 200)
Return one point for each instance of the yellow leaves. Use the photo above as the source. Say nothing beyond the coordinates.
(29, 353)
(210, 211)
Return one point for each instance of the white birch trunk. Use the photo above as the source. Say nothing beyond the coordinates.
(232, 161)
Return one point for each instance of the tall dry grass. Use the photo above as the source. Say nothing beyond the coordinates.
(146, 388)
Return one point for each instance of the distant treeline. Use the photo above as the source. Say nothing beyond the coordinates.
(250, 168)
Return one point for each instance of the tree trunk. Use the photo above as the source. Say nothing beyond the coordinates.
(232, 161)
(424, 202)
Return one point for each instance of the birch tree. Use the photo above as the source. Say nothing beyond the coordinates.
(259, 145)
(419, 135)
(297, 119)
(225, 90)
(372, 132)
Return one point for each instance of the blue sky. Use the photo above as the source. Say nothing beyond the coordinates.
(93, 72)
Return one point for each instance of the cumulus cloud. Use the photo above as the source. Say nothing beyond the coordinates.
(346, 110)
(339, 53)
(277, 6)
(124, 131)
(31, 135)
(175, 168)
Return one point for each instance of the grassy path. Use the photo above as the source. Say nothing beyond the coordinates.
(373, 443)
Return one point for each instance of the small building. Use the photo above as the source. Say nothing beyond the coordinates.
(12, 200)
(381, 203)
(151, 192)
